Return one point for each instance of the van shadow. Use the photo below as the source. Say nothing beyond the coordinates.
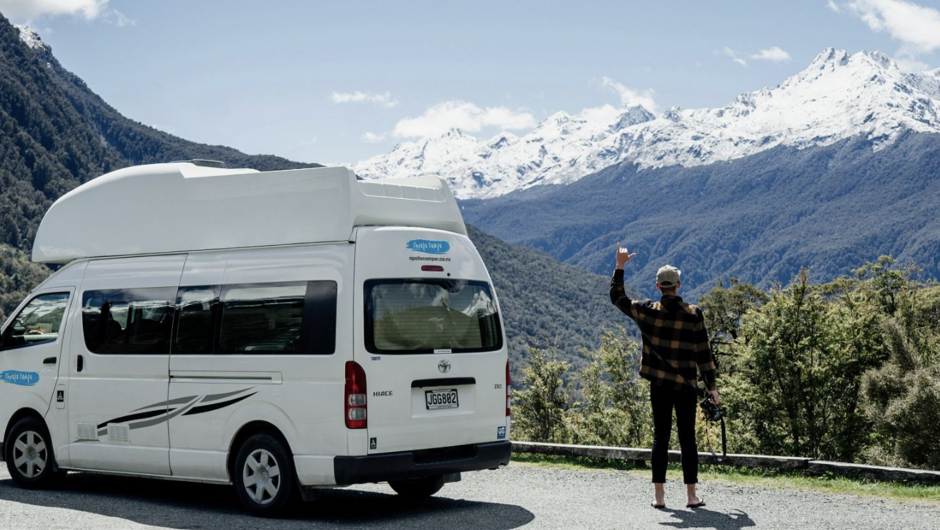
(167, 504)
(705, 518)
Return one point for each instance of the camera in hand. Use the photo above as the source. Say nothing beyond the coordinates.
(712, 411)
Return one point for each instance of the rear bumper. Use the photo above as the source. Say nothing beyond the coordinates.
(417, 464)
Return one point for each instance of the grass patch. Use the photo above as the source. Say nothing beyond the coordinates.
(752, 477)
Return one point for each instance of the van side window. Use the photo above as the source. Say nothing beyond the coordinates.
(198, 317)
(278, 318)
(128, 321)
(37, 323)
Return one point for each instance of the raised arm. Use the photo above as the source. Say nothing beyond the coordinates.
(618, 296)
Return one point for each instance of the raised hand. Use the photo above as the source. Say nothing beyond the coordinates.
(623, 256)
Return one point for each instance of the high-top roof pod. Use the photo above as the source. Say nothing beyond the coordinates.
(178, 207)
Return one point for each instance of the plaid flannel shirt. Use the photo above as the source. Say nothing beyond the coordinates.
(675, 342)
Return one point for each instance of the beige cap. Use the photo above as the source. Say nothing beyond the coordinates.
(667, 276)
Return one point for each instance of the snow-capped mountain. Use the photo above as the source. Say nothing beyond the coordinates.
(30, 37)
(836, 97)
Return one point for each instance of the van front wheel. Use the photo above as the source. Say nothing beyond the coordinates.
(418, 488)
(29, 456)
(264, 476)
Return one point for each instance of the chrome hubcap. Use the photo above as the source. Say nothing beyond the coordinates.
(261, 476)
(30, 454)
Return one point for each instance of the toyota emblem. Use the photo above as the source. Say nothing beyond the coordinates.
(443, 366)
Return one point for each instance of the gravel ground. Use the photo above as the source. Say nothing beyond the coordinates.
(514, 497)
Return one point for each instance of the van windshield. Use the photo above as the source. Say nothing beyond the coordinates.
(430, 316)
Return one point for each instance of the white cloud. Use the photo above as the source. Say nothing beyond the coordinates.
(383, 100)
(918, 27)
(734, 57)
(373, 138)
(30, 10)
(774, 53)
(907, 61)
(834, 6)
(463, 115)
(120, 19)
(629, 96)
(603, 114)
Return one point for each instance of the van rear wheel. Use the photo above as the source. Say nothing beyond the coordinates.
(29, 455)
(264, 476)
(418, 488)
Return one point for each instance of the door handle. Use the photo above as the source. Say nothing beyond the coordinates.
(49, 360)
(81, 363)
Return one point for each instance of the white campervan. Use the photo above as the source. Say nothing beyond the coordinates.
(279, 331)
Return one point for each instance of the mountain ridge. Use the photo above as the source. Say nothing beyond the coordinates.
(836, 97)
(760, 218)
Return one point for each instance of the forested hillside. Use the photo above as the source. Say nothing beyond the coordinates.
(546, 303)
(55, 134)
(759, 219)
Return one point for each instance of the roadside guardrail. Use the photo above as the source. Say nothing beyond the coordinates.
(814, 467)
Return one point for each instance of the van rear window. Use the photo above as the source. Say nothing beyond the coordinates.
(430, 315)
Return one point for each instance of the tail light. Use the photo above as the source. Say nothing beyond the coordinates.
(355, 396)
(508, 391)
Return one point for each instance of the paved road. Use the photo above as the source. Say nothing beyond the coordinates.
(516, 497)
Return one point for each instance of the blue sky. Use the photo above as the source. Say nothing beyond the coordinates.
(343, 81)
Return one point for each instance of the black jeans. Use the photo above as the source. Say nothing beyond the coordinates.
(663, 400)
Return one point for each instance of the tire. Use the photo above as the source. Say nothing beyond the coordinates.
(264, 476)
(29, 455)
(419, 488)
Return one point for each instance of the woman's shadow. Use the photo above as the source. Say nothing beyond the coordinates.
(703, 518)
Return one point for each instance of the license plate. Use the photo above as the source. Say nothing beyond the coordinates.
(441, 399)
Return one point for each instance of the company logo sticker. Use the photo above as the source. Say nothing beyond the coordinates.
(501, 433)
(428, 247)
(443, 366)
(15, 377)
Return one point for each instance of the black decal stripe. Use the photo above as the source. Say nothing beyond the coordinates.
(132, 417)
(216, 406)
(158, 421)
(213, 397)
(176, 401)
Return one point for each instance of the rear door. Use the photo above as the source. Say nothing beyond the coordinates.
(430, 341)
